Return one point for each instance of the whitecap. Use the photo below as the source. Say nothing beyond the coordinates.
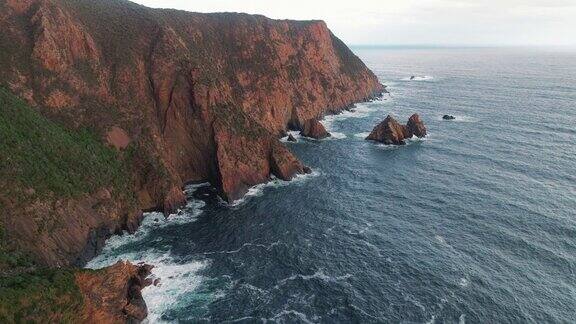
(258, 190)
(419, 78)
(362, 135)
(440, 239)
(459, 119)
(245, 245)
(360, 110)
(177, 279)
(302, 317)
(320, 275)
(336, 135)
(463, 282)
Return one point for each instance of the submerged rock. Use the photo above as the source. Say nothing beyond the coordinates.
(448, 117)
(390, 132)
(413, 77)
(314, 129)
(291, 138)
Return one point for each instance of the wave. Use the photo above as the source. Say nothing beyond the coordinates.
(419, 78)
(246, 245)
(459, 118)
(177, 279)
(360, 110)
(258, 190)
(362, 135)
(320, 275)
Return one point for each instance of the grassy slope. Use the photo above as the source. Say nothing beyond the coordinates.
(38, 154)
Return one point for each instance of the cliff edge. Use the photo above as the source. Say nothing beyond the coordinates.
(165, 97)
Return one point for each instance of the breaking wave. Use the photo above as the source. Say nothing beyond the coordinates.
(419, 78)
(258, 190)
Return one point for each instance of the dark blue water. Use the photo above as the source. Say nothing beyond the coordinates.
(476, 223)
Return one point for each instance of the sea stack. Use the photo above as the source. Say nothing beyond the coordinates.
(390, 132)
(416, 127)
(314, 129)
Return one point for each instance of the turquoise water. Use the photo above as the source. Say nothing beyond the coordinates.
(475, 223)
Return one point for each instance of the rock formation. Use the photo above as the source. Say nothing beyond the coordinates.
(178, 96)
(113, 295)
(390, 132)
(448, 117)
(314, 129)
(415, 127)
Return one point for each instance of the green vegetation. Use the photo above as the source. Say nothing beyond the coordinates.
(39, 159)
(38, 154)
(49, 295)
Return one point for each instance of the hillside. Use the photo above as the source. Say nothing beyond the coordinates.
(121, 105)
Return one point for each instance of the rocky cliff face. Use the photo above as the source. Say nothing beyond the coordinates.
(180, 96)
(179, 86)
(113, 295)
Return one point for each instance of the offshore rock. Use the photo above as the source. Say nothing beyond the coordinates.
(390, 132)
(416, 127)
(314, 129)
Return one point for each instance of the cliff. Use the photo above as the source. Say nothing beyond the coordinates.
(162, 97)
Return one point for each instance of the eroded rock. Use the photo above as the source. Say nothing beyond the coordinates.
(113, 294)
(314, 129)
(390, 132)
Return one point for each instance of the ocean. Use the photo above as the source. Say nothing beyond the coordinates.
(474, 223)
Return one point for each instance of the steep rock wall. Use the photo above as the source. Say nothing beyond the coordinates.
(199, 97)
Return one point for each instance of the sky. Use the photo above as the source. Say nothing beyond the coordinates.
(417, 22)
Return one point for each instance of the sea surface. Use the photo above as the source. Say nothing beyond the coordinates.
(475, 223)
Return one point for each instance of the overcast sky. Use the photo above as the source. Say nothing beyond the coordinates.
(416, 22)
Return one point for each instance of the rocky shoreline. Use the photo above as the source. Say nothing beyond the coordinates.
(167, 98)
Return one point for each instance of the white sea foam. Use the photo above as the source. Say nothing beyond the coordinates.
(246, 245)
(177, 282)
(440, 239)
(362, 135)
(177, 279)
(419, 78)
(317, 275)
(463, 282)
(258, 190)
(277, 318)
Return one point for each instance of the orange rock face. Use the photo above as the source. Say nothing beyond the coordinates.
(164, 76)
(184, 96)
(314, 129)
(390, 132)
(416, 126)
(113, 295)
